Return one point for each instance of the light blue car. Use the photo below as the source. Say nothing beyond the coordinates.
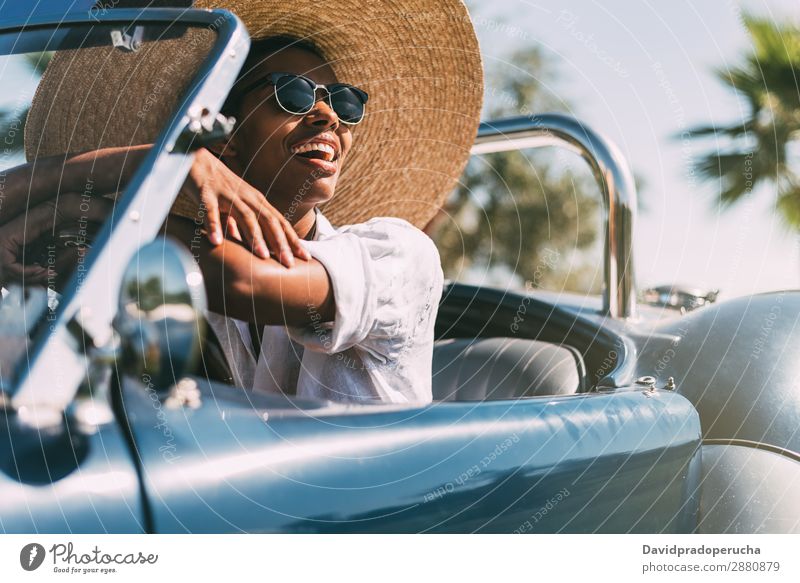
(550, 413)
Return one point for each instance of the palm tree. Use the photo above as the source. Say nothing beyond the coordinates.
(758, 149)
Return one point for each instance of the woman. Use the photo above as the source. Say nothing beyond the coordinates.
(345, 313)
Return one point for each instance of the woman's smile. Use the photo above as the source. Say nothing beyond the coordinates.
(322, 152)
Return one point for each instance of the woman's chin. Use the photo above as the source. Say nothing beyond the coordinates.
(317, 192)
(302, 191)
(321, 198)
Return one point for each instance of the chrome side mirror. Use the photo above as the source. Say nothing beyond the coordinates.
(679, 297)
(161, 313)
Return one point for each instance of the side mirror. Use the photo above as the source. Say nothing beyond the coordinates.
(161, 320)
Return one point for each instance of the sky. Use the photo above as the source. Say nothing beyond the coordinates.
(640, 73)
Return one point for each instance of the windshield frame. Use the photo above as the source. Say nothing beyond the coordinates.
(39, 390)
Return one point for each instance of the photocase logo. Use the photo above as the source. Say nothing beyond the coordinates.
(31, 556)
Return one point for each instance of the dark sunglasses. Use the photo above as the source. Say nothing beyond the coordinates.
(297, 95)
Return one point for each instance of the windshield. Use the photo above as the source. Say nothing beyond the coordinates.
(81, 107)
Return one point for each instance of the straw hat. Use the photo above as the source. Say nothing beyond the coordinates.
(419, 61)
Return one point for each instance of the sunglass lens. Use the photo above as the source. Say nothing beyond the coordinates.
(294, 94)
(347, 104)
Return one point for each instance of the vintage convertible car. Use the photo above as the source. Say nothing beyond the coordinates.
(552, 413)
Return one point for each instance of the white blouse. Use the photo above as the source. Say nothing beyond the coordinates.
(387, 282)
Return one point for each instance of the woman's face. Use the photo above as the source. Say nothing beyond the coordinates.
(262, 148)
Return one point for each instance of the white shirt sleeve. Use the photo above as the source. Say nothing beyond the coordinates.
(387, 281)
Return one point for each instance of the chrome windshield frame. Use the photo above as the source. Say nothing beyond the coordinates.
(55, 365)
(613, 176)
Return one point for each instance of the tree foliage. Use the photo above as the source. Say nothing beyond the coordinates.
(525, 217)
(12, 120)
(758, 148)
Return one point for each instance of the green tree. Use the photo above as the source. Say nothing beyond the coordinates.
(758, 148)
(526, 216)
(12, 120)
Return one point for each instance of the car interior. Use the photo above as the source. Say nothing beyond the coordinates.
(550, 354)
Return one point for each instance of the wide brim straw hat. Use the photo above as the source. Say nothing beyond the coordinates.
(419, 60)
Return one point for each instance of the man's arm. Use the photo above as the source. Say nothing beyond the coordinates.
(96, 173)
(243, 286)
(224, 194)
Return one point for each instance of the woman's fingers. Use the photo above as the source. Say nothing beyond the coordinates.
(250, 230)
(11, 267)
(294, 240)
(279, 237)
(271, 221)
(242, 210)
(31, 273)
(277, 240)
(211, 219)
(8, 258)
(232, 231)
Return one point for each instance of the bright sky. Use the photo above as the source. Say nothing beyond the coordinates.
(641, 72)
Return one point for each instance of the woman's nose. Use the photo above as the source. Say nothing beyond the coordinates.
(322, 115)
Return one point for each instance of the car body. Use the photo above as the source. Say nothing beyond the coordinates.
(682, 422)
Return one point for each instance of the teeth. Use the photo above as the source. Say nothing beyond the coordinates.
(326, 149)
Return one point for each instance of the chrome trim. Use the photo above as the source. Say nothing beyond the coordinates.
(612, 174)
(678, 297)
(50, 381)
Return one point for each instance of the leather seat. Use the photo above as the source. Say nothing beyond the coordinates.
(476, 369)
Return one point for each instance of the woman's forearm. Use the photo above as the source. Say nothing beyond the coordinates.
(244, 286)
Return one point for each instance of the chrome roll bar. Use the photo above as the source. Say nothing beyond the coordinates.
(612, 174)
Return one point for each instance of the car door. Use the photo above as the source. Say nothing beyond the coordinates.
(229, 460)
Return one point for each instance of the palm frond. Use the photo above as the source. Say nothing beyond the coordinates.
(736, 131)
(735, 172)
(788, 206)
(755, 149)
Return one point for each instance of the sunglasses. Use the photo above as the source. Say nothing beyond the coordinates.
(297, 95)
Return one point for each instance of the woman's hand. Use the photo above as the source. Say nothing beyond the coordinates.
(47, 217)
(245, 210)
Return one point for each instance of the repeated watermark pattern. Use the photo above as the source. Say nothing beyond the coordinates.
(670, 353)
(473, 471)
(301, 194)
(767, 326)
(569, 21)
(610, 361)
(548, 507)
(679, 115)
(168, 450)
(548, 262)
